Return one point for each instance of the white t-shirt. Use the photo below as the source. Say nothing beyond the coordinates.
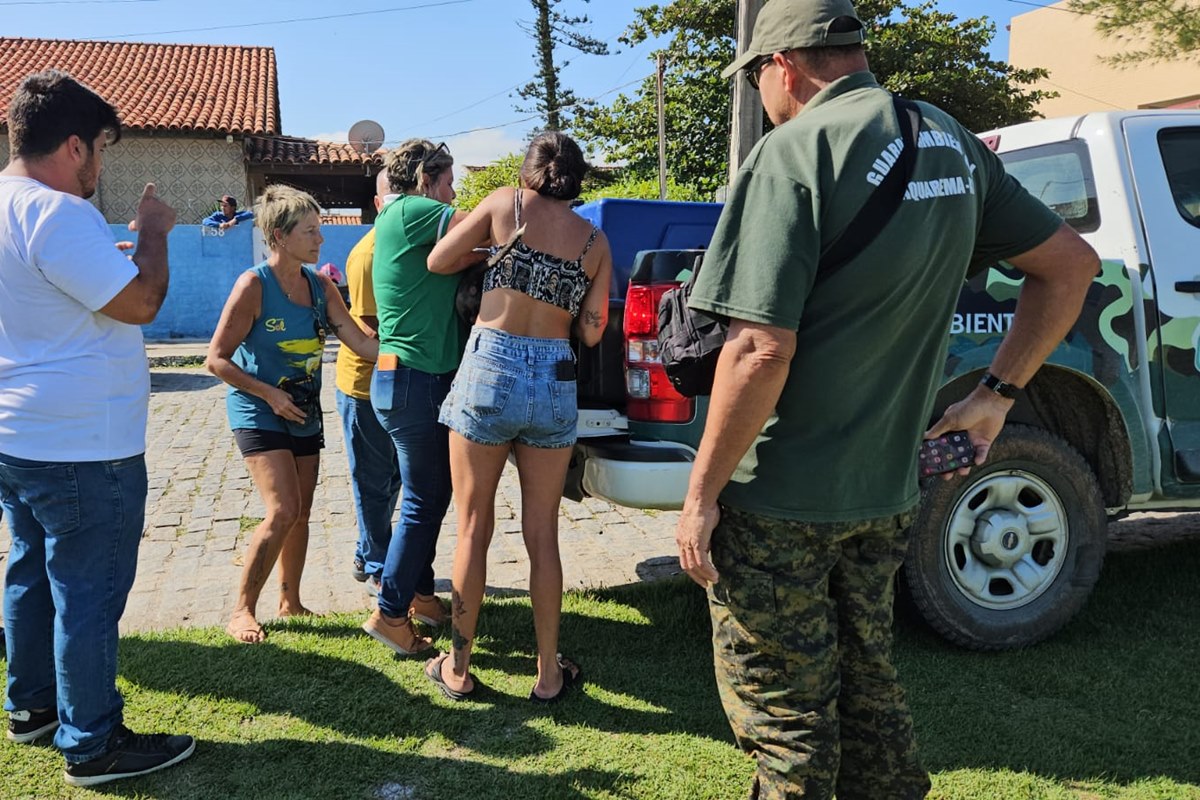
(74, 383)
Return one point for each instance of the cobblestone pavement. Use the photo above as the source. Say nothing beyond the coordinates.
(202, 505)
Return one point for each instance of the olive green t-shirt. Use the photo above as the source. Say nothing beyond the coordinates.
(417, 321)
(871, 340)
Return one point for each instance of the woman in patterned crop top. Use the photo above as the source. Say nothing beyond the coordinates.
(515, 391)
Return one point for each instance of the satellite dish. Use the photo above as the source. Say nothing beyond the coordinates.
(366, 136)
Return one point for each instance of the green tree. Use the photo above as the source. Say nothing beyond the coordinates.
(479, 183)
(550, 30)
(915, 50)
(1151, 30)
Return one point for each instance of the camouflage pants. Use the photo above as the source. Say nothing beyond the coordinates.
(802, 641)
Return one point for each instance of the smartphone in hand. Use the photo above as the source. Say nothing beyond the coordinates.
(946, 453)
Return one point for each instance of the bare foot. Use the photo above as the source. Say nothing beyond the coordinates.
(288, 610)
(245, 628)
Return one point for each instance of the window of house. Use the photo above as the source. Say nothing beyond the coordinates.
(1060, 175)
(1180, 149)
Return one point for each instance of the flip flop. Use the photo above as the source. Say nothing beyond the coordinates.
(569, 679)
(433, 671)
(253, 629)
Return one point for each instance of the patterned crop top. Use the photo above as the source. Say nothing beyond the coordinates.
(542, 276)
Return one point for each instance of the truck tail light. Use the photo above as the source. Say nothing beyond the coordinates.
(650, 397)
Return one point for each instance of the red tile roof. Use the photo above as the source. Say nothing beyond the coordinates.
(162, 87)
(295, 151)
(341, 219)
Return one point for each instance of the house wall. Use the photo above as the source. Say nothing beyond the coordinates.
(190, 173)
(206, 263)
(1068, 45)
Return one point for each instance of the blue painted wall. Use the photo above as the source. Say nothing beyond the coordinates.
(204, 267)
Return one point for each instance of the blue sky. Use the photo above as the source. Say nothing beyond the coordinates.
(442, 69)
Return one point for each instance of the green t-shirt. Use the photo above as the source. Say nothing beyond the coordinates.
(871, 340)
(417, 321)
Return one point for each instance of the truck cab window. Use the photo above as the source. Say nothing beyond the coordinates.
(1060, 175)
(1180, 150)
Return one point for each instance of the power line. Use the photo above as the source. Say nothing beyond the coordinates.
(287, 21)
(1081, 94)
(70, 2)
(510, 123)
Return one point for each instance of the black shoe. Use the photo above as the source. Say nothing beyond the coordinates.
(25, 726)
(130, 754)
(360, 570)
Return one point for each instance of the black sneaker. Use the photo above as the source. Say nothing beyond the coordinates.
(130, 754)
(25, 726)
(360, 570)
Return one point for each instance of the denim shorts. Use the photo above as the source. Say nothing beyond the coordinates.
(508, 389)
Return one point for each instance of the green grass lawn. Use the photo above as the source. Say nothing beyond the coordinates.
(1107, 709)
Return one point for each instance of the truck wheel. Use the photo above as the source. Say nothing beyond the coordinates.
(1007, 555)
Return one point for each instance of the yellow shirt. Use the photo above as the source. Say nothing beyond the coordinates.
(354, 372)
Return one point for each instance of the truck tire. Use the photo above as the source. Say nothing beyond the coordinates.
(1006, 556)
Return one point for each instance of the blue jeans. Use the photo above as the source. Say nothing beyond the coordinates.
(374, 479)
(75, 532)
(407, 401)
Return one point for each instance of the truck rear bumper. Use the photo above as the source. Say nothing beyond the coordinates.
(636, 474)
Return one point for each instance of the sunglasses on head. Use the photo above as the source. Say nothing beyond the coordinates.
(430, 156)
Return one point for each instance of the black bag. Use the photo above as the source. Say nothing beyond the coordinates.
(469, 293)
(690, 341)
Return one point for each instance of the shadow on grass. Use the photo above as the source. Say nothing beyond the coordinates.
(288, 768)
(649, 658)
(1114, 695)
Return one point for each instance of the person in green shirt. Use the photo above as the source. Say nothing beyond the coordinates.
(420, 343)
(801, 494)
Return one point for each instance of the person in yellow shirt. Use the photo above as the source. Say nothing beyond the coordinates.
(374, 471)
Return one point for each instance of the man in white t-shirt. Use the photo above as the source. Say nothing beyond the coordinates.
(74, 392)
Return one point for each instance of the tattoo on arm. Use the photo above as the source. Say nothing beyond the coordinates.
(591, 318)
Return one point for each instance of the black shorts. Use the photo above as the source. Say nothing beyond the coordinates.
(254, 440)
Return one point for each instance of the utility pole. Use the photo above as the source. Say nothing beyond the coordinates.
(747, 105)
(662, 132)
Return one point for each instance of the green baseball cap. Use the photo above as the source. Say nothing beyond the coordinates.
(788, 24)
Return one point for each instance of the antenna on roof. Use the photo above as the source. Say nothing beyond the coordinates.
(366, 136)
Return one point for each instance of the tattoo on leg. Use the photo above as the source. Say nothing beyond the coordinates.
(460, 608)
(458, 641)
(283, 587)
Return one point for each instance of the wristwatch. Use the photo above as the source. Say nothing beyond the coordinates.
(1000, 387)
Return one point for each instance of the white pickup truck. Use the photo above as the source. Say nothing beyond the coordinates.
(1111, 424)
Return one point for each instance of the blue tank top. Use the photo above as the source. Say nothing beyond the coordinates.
(285, 341)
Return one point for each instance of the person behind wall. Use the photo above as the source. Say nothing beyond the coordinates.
(374, 471)
(268, 347)
(516, 392)
(797, 512)
(420, 344)
(227, 215)
(74, 396)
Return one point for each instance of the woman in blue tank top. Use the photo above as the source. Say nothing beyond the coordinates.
(268, 348)
(515, 391)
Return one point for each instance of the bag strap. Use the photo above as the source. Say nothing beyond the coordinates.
(318, 297)
(883, 202)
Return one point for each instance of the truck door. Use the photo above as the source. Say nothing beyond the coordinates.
(1165, 158)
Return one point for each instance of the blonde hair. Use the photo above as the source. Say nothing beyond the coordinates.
(414, 161)
(280, 208)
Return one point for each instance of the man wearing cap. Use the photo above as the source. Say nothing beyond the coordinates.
(228, 215)
(805, 481)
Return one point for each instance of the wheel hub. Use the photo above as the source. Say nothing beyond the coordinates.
(1001, 538)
